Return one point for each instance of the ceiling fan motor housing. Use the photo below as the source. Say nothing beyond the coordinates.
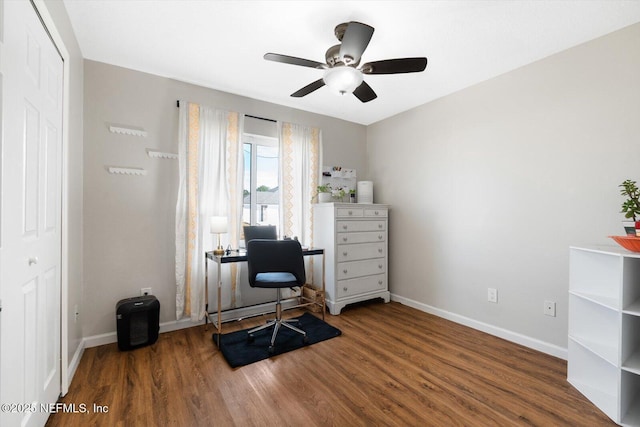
(333, 58)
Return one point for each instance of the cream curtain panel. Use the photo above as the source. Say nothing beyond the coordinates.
(210, 184)
(300, 160)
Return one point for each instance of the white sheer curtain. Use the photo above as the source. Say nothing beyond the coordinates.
(210, 173)
(300, 160)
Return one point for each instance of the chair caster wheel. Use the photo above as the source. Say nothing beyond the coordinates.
(271, 349)
(250, 338)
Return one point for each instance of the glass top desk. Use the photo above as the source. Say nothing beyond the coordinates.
(241, 256)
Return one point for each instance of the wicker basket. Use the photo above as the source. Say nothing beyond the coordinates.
(313, 295)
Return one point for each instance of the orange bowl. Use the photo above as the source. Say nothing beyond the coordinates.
(630, 243)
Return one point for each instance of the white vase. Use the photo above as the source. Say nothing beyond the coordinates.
(324, 197)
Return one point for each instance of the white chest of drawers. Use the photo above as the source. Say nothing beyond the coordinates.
(354, 237)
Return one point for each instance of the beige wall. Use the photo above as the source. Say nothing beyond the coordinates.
(491, 185)
(129, 220)
(488, 186)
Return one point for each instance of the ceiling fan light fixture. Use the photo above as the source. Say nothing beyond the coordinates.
(342, 79)
(342, 73)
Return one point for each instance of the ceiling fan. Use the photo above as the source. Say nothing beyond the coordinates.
(341, 72)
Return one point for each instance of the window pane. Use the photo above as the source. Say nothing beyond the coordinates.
(261, 195)
(266, 207)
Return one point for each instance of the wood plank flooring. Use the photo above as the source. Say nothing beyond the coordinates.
(393, 366)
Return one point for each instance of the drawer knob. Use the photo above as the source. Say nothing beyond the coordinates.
(376, 213)
(344, 271)
(344, 227)
(344, 239)
(344, 254)
(379, 225)
(380, 266)
(379, 236)
(350, 213)
(344, 289)
(379, 282)
(379, 250)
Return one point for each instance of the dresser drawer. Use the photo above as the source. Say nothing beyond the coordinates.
(346, 288)
(362, 237)
(351, 269)
(361, 251)
(379, 213)
(350, 212)
(364, 225)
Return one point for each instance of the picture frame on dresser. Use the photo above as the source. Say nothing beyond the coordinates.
(355, 238)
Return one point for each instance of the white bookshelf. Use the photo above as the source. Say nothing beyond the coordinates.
(604, 330)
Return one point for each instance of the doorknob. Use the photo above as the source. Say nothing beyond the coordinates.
(33, 260)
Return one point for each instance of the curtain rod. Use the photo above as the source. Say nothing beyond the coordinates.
(261, 118)
(246, 115)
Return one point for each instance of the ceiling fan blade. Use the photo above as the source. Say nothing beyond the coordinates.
(395, 66)
(293, 60)
(355, 40)
(308, 89)
(364, 93)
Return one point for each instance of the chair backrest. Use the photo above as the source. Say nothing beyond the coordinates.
(252, 232)
(275, 256)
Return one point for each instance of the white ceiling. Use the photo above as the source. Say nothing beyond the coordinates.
(220, 44)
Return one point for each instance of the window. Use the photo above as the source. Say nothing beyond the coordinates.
(261, 203)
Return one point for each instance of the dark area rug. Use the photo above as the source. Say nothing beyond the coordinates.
(238, 351)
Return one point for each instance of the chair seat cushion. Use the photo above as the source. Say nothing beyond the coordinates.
(275, 280)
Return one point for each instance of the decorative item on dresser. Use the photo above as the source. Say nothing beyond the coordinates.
(355, 241)
(630, 207)
(324, 193)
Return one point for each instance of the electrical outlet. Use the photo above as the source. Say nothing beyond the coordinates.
(492, 295)
(550, 308)
(145, 291)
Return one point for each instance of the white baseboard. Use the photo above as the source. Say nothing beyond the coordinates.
(75, 361)
(111, 337)
(174, 325)
(551, 349)
(515, 337)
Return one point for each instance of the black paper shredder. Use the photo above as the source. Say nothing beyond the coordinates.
(138, 321)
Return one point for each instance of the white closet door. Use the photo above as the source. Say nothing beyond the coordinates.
(30, 216)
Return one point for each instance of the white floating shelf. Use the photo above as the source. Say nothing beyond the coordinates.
(127, 171)
(161, 155)
(128, 131)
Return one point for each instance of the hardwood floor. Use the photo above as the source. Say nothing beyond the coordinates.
(392, 366)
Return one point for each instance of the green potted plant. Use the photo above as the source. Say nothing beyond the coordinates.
(324, 193)
(630, 206)
(338, 194)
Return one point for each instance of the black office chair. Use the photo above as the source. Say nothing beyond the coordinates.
(276, 264)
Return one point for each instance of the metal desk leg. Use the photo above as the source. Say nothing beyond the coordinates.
(324, 295)
(219, 325)
(206, 290)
